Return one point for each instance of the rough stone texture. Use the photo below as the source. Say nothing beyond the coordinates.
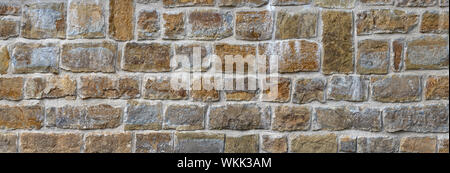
(274, 144)
(201, 50)
(11, 88)
(50, 142)
(4, 59)
(377, 145)
(159, 88)
(143, 57)
(106, 87)
(86, 19)
(384, 21)
(174, 28)
(284, 90)
(209, 24)
(308, 90)
(44, 20)
(335, 4)
(242, 3)
(434, 22)
(187, 3)
(199, 143)
(443, 145)
(444, 3)
(254, 25)
(185, 117)
(348, 88)
(84, 117)
(290, 2)
(418, 145)
(108, 143)
(244, 94)
(437, 88)
(51, 87)
(9, 28)
(373, 57)
(421, 119)
(35, 57)
(427, 53)
(377, 2)
(398, 47)
(314, 143)
(13, 9)
(8, 142)
(148, 26)
(337, 42)
(349, 117)
(21, 117)
(396, 88)
(206, 91)
(296, 118)
(417, 3)
(121, 14)
(143, 116)
(239, 117)
(295, 25)
(347, 144)
(154, 143)
(242, 144)
(244, 50)
(89, 57)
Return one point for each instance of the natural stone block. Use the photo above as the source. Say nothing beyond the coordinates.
(347, 144)
(9, 28)
(143, 57)
(348, 88)
(86, 19)
(143, 116)
(154, 143)
(107, 87)
(443, 145)
(418, 145)
(185, 117)
(296, 25)
(427, 53)
(121, 17)
(108, 143)
(204, 51)
(35, 57)
(50, 142)
(385, 21)
(444, 3)
(290, 2)
(13, 9)
(159, 88)
(199, 143)
(242, 3)
(11, 88)
(335, 4)
(148, 26)
(4, 59)
(51, 87)
(188, 3)
(146, 1)
(337, 42)
(89, 57)
(398, 47)
(206, 92)
(308, 90)
(396, 88)
(416, 3)
(434, 22)
(373, 57)
(377, 2)
(244, 94)
(349, 117)
(254, 25)
(377, 145)
(314, 143)
(437, 88)
(8, 141)
(44, 20)
(242, 144)
(274, 144)
(292, 118)
(239, 117)
(209, 25)
(174, 26)
(21, 117)
(284, 90)
(245, 50)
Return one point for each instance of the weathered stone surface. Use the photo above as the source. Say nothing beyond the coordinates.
(187, 3)
(427, 53)
(4, 59)
(349, 117)
(199, 143)
(254, 25)
(154, 143)
(337, 42)
(8, 141)
(314, 143)
(377, 145)
(147, 1)
(437, 88)
(290, 2)
(434, 22)
(89, 57)
(347, 144)
(348, 88)
(418, 145)
(242, 144)
(416, 3)
(11, 88)
(84, 117)
(121, 14)
(384, 21)
(206, 92)
(308, 90)
(443, 145)
(143, 57)
(295, 25)
(422, 119)
(50, 142)
(9, 28)
(143, 116)
(239, 117)
(148, 25)
(21, 117)
(86, 19)
(373, 57)
(13, 9)
(159, 88)
(242, 94)
(185, 117)
(174, 26)
(108, 143)
(44, 20)
(398, 47)
(284, 90)
(107, 87)
(51, 87)
(396, 88)
(274, 144)
(377, 2)
(209, 25)
(35, 57)
(201, 50)
(335, 4)
(292, 118)
(244, 50)
(242, 3)
(444, 3)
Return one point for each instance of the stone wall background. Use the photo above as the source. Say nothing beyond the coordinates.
(92, 76)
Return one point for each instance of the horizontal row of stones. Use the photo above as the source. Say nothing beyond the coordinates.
(142, 115)
(201, 142)
(88, 19)
(373, 56)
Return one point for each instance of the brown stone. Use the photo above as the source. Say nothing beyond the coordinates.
(107, 87)
(209, 25)
(377, 2)
(443, 145)
(295, 118)
(185, 117)
(13, 9)
(295, 25)
(121, 17)
(434, 22)
(290, 2)
(199, 143)
(282, 95)
(335, 4)
(50, 142)
(86, 19)
(427, 53)
(347, 144)
(274, 144)
(398, 47)
(206, 92)
(89, 57)
(314, 143)
(9, 28)
(348, 88)
(144, 116)
(239, 117)
(373, 57)
(416, 3)
(11, 88)
(148, 25)
(174, 26)
(242, 144)
(159, 88)
(242, 3)
(444, 3)
(44, 20)
(350, 117)
(35, 57)
(108, 143)
(51, 87)
(21, 117)
(337, 42)
(418, 145)
(247, 93)
(385, 21)
(243, 51)
(187, 3)
(437, 88)
(254, 25)
(147, 1)
(377, 145)
(154, 143)
(8, 141)
(187, 49)
(143, 57)
(4, 59)
(396, 88)
(309, 90)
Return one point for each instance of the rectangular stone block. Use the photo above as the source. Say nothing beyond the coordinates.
(308, 90)
(159, 88)
(416, 3)
(436, 88)
(283, 94)
(8, 8)
(209, 25)
(335, 3)
(35, 57)
(4, 59)
(144, 116)
(434, 22)
(109, 87)
(174, 26)
(314, 143)
(154, 142)
(274, 143)
(108, 143)
(398, 47)
(188, 3)
(373, 57)
(204, 51)
(199, 143)
(8, 141)
(377, 145)
(396, 88)
(347, 144)
(86, 19)
(348, 117)
(50, 87)
(291, 25)
(385, 21)
(44, 20)
(50, 142)
(89, 57)
(148, 27)
(239, 117)
(254, 25)
(443, 145)
(9, 28)
(292, 118)
(348, 88)
(11, 88)
(377, 2)
(244, 93)
(185, 117)
(21, 117)
(242, 3)
(121, 17)
(418, 144)
(143, 57)
(290, 2)
(203, 91)
(427, 53)
(242, 144)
